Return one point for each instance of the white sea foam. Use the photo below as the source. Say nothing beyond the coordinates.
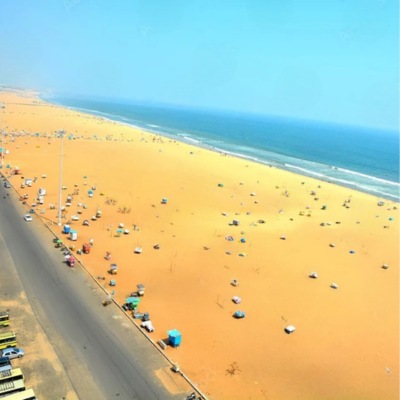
(190, 139)
(366, 183)
(307, 171)
(342, 176)
(386, 182)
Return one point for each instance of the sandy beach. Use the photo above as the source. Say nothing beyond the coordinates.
(224, 219)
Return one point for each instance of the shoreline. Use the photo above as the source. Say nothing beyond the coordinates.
(289, 226)
(272, 162)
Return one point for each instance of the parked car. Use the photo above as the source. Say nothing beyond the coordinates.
(28, 218)
(12, 352)
(7, 184)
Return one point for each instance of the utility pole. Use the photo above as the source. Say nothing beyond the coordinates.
(61, 135)
(3, 110)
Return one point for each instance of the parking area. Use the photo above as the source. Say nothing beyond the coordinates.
(40, 360)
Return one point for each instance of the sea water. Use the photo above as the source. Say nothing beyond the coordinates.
(363, 159)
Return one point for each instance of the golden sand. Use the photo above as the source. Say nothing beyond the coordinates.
(346, 342)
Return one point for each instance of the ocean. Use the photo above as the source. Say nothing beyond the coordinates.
(362, 159)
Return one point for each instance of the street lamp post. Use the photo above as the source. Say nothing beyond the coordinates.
(61, 133)
(3, 110)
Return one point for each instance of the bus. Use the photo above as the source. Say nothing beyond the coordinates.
(14, 375)
(4, 318)
(27, 394)
(7, 388)
(7, 339)
(11, 382)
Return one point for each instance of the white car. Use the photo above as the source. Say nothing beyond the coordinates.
(28, 218)
(12, 352)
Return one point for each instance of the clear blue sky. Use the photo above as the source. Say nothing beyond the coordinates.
(332, 60)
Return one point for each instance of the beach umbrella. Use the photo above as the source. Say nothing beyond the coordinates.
(290, 329)
(236, 299)
(334, 286)
(239, 314)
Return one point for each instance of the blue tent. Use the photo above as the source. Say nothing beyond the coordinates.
(132, 300)
(174, 337)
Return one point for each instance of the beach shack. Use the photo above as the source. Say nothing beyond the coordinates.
(174, 338)
(73, 234)
(148, 326)
(66, 229)
(132, 302)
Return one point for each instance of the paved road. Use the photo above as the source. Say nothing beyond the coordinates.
(103, 353)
